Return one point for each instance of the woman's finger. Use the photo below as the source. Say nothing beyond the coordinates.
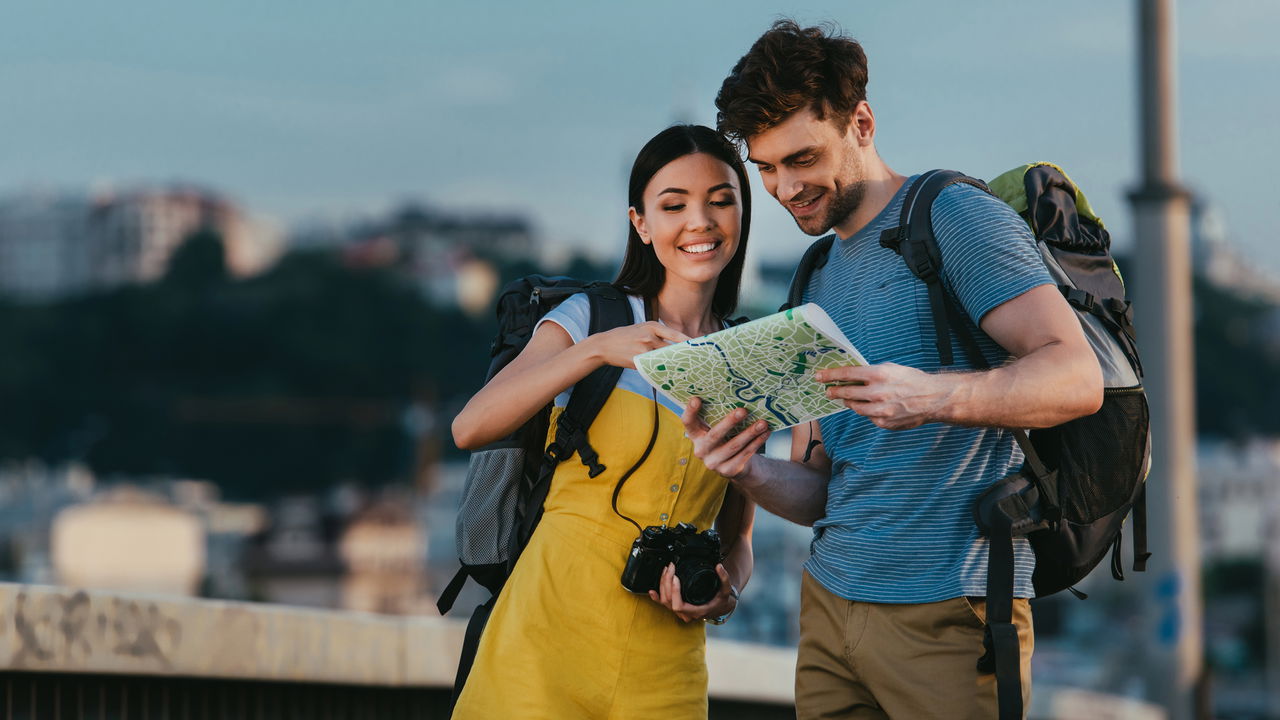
(670, 334)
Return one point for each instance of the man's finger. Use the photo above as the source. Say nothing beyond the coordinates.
(854, 393)
(753, 432)
(693, 425)
(848, 374)
(734, 464)
(721, 430)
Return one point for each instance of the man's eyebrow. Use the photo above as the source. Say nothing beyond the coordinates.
(790, 158)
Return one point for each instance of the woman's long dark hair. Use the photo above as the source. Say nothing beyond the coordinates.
(641, 273)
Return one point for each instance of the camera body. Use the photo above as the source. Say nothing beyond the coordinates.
(694, 553)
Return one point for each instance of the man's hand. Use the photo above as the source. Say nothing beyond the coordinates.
(729, 456)
(893, 397)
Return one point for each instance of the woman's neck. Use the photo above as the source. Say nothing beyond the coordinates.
(687, 309)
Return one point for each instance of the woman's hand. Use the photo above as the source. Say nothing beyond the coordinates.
(668, 595)
(618, 346)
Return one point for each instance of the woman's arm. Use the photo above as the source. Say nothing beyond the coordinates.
(734, 523)
(550, 363)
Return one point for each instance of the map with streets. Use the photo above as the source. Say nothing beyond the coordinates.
(765, 365)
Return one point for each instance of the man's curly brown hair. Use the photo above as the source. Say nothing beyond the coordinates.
(788, 69)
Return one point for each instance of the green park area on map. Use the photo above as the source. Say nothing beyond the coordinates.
(766, 366)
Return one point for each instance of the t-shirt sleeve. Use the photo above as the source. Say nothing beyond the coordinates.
(574, 315)
(989, 255)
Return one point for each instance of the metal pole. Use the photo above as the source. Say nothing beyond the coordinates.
(1162, 297)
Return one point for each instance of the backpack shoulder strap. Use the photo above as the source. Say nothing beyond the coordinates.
(609, 309)
(914, 240)
(814, 258)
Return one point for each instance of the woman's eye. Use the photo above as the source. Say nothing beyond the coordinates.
(724, 203)
(673, 208)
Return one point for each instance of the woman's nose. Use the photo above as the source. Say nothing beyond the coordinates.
(699, 219)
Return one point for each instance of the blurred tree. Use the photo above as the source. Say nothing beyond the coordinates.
(316, 372)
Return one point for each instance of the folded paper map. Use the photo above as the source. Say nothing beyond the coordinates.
(765, 366)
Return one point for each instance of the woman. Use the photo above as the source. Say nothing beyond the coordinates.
(565, 639)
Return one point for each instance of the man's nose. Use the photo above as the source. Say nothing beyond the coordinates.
(789, 185)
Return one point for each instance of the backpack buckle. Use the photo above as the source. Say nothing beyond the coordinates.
(892, 239)
(1081, 300)
(555, 454)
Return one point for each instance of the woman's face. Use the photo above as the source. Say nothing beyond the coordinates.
(692, 217)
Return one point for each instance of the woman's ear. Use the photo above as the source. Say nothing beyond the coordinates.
(637, 221)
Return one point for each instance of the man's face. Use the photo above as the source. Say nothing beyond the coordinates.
(812, 167)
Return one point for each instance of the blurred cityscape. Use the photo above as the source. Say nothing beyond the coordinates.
(199, 404)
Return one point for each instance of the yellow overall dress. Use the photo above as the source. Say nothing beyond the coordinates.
(565, 640)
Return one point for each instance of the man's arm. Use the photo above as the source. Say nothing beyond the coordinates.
(1054, 375)
(788, 489)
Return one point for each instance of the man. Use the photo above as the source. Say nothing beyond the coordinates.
(892, 611)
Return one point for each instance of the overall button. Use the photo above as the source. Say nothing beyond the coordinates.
(663, 517)
(683, 461)
(675, 488)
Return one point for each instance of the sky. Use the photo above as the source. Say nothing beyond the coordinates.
(334, 110)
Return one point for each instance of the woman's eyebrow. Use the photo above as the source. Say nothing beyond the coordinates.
(681, 191)
(721, 186)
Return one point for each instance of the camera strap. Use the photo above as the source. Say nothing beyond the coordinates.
(649, 314)
(653, 439)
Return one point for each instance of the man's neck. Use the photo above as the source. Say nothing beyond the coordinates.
(881, 185)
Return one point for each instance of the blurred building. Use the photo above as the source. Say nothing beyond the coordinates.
(383, 550)
(54, 245)
(1216, 259)
(133, 234)
(43, 245)
(128, 539)
(450, 257)
(1239, 488)
(295, 559)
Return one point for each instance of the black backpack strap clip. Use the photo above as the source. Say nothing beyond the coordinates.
(1079, 299)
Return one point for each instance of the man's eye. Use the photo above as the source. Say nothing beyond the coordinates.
(764, 169)
(805, 162)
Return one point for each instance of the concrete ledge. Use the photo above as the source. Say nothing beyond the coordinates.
(53, 629)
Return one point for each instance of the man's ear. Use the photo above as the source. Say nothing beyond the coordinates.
(862, 127)
(637, 221)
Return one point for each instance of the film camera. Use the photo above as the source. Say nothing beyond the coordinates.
(694, 553)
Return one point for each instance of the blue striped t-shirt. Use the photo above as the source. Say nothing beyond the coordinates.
(898, 525)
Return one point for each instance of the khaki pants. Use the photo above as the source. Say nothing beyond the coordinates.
(905, 662)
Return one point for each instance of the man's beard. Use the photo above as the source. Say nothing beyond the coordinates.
(844, 201)
(845, 197)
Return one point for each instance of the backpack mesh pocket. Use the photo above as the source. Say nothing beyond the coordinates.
(487, 514)
(1098, 474)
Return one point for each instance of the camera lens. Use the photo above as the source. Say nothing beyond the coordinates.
(698, 584)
